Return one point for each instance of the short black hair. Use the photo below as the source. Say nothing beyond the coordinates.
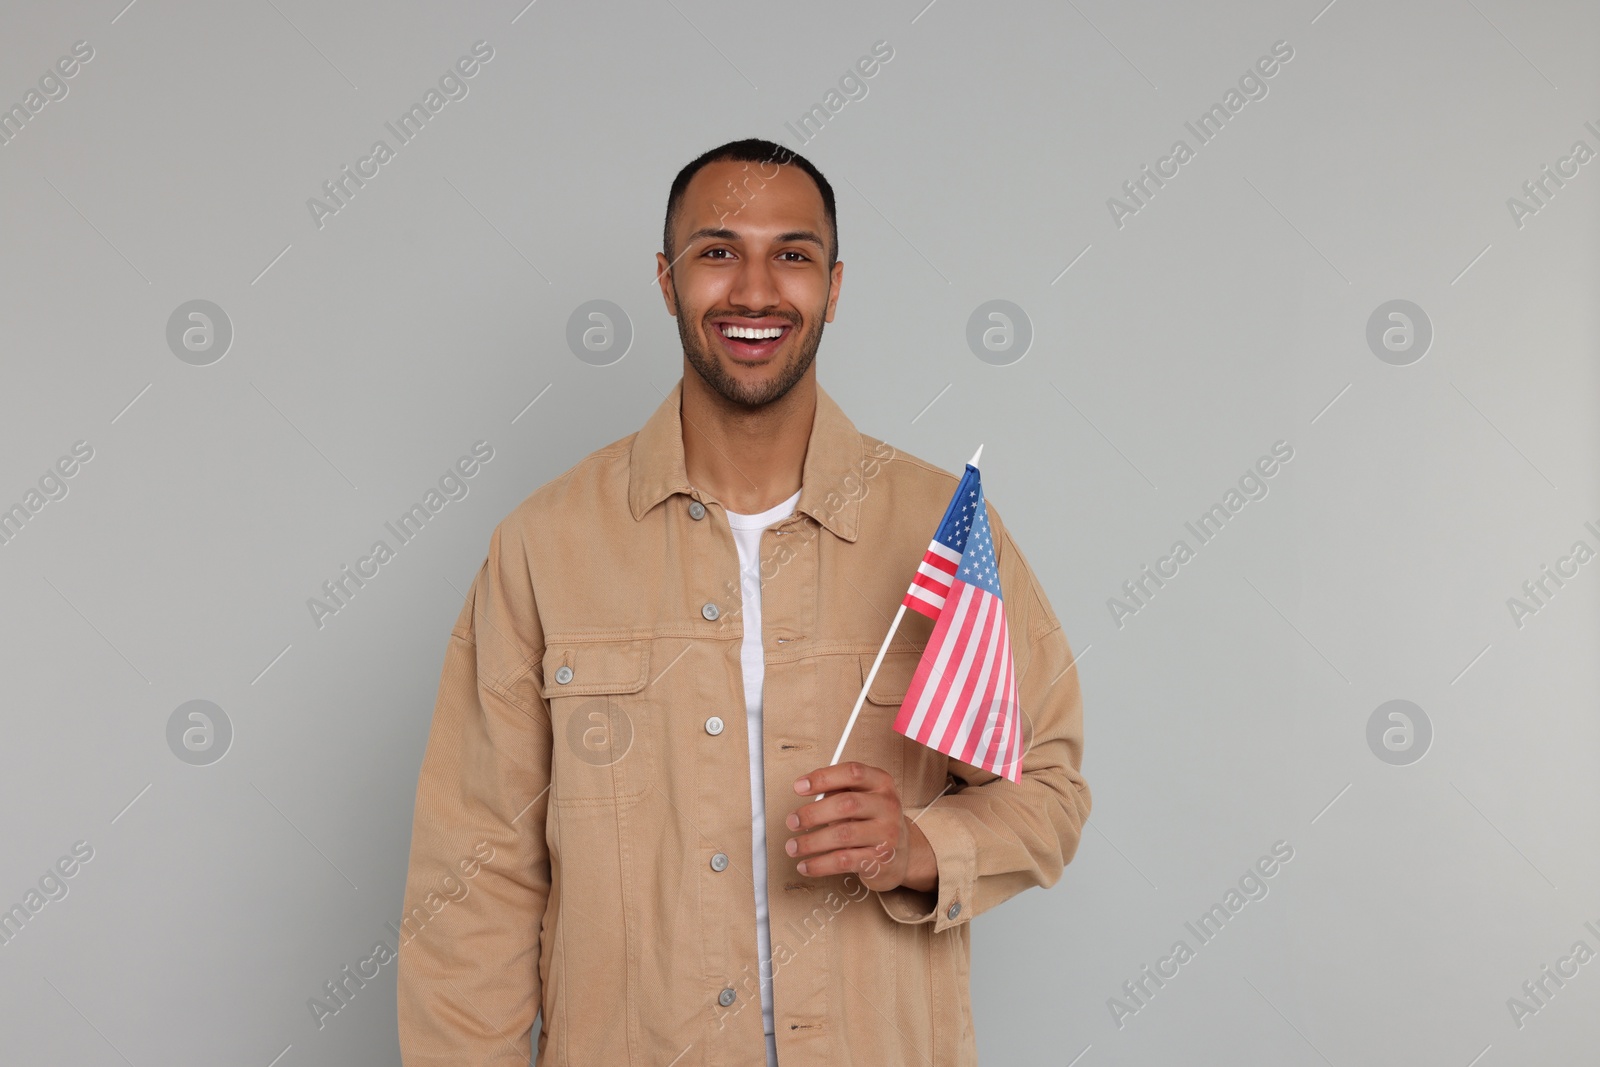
(751, 150)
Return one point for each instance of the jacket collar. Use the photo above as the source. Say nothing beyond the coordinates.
(656, 467)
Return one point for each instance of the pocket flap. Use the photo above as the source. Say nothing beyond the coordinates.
(889, 685)
(596, 667)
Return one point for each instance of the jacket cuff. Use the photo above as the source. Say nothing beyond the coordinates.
(955, 857)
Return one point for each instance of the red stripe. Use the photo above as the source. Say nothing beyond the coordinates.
(1007, 762)
(1007, 727)
(919, 680)
(1014, 766)
(973, 708)
(939, 589)
(993, 756)
(974, 607)
(978, 710)
(942, 638)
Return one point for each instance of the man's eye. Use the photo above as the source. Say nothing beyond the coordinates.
(798, 255)
(713, 251)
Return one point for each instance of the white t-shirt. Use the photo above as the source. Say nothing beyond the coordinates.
(752, 655)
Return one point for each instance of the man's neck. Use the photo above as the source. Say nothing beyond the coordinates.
(748, 459)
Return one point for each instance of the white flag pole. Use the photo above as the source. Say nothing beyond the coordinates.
(873, 673)
(877, 661)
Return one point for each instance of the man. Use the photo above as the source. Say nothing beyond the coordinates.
(615, 826)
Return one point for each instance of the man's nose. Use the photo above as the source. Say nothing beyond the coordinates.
(754, 286)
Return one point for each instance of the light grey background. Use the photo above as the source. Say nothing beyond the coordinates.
(1229, 313)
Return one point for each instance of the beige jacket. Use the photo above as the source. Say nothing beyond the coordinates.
(582, 843)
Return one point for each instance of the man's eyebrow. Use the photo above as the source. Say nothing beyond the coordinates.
(713, 233)
(801, 235)
(720, 234)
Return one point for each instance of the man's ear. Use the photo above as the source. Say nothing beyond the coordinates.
(664, 280)
(833, 289)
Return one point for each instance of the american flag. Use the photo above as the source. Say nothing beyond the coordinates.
(963, 697)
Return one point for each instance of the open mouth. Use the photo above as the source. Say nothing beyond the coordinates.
(751, 342)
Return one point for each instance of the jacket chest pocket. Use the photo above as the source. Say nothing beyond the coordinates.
(919, 771)
(599, 717)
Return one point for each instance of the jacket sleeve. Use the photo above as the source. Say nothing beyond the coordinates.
(993, 838)
(469, 985)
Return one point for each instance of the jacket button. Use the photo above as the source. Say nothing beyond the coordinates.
(697, 510)
(713, 726)
(710, 610)
(719, 862)
(955, 909)
(726, 997)
(563, 674)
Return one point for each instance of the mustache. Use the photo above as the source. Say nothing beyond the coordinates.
(793, 320)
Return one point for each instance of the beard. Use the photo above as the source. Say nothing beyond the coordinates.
(708, 363)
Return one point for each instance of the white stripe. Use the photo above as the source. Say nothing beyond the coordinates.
(1009, 741)
(953, 707)
(985, 756)
(935, 599)
(1020, 737)
(970, 720)
(1007, 700)
(919, 713)
(969, 593)
(995, 743)
(1003, 737)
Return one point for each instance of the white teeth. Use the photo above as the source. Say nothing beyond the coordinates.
(748, 334)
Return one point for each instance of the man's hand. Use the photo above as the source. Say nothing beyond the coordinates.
(859, 827)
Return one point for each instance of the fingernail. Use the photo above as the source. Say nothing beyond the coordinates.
(803, 785)
(791, 848)
(793, 821)
(802, 867)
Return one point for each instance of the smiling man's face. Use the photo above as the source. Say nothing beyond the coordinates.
(755, 267)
